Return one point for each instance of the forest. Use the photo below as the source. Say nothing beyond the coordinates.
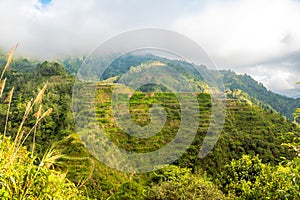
(257, 155)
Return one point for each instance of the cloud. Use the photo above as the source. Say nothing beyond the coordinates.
(249, 36)
(277, 77)
(278, 74)
(68, 27)
(60, 28)
(246, 31)
(259, 37)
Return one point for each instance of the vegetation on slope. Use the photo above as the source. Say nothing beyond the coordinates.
(225, 173)
(23, 175)
(249, 178)
(232, 81)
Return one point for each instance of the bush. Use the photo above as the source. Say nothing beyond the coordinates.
(249, 178)
(179, 183)
(22, 178)
(22, 175)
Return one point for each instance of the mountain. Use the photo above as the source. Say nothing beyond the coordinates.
(232, 81)
(284, 105)
(248, 129)
(251, 127)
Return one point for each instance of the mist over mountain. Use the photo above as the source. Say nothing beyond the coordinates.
(232, 81)
(292, 93)
(150, 100)
(250, 143)
(285, 102)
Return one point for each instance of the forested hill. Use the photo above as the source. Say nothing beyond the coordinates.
(232, 81)
(284, 105)
(248, 129)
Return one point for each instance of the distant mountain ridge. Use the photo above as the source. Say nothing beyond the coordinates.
(284, 105)
(232, 81)
(248, 129)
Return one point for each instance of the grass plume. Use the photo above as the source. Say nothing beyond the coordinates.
(8, 100)
(20, 176)
(9, 60)
(2, 86)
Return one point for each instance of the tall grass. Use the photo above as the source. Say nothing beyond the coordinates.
(22, 174)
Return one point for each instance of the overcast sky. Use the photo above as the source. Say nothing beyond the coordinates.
(258, 37)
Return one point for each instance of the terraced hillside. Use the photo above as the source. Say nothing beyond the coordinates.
(139, 106)
(248, 129)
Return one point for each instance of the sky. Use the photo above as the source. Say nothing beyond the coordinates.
(257, 37)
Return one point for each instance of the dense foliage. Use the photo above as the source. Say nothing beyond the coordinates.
(232, 81)
(249, 178)
(23, 175)
(248, 162)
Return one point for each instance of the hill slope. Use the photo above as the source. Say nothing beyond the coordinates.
(248, 129)
(284, 105)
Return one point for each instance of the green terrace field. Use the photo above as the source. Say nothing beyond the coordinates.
(139, 106)
(248, 129)
(255, 156)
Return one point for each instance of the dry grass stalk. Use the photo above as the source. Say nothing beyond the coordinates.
(47, 113)
(20, 139)
(40, 95)
(8, 100)
(2, 86)
(16, 156)
(37, 115)
(27, 111)
(9, 60)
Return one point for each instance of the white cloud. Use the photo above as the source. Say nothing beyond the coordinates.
(245, 35)
(277, 77)
(67, 27)
(245, 32)
(60, 28)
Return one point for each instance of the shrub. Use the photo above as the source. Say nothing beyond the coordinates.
(249, 178)
(22, 175)
(179, 183)
(22, 178)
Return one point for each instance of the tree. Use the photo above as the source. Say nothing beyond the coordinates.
(297, 112)
(249, 178)
(174, 182)
(51, 69)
